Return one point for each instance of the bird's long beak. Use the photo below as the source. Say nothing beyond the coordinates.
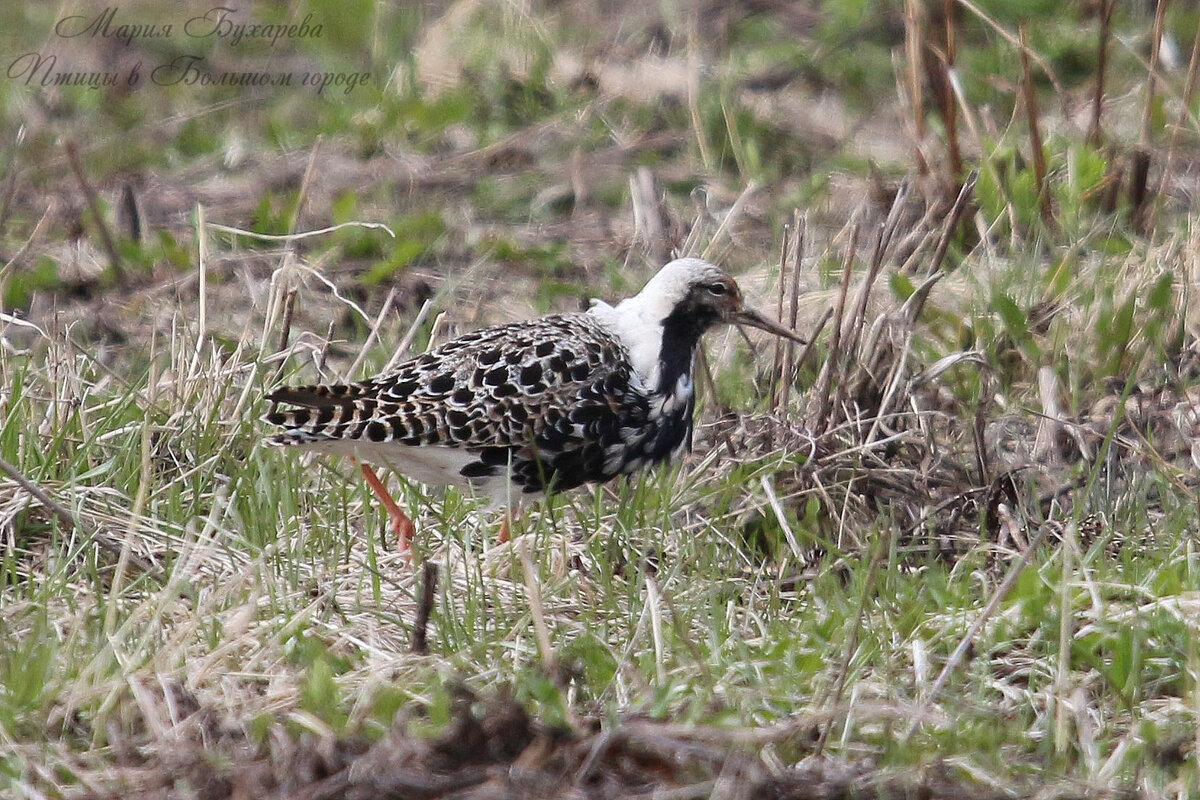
(748, 316)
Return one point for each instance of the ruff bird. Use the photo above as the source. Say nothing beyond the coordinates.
(518, 410)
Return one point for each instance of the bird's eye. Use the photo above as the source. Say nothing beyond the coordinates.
(718, 289)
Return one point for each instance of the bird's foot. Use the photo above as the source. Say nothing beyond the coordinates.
(402, 524)
(405, 530)
(510, 516)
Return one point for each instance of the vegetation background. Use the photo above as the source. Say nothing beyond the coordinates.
(948, 550)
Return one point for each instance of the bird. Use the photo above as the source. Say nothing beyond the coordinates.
(524, 409)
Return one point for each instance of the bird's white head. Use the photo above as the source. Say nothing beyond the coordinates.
(662, 323)
(682, 279)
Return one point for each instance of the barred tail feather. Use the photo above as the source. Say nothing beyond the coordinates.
(318, 413)
(296, 437)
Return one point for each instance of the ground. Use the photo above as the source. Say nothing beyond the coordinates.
(946, 550)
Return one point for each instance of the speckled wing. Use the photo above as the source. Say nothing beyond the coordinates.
(554, 400)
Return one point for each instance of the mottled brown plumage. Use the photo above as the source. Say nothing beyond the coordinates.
(553, 399)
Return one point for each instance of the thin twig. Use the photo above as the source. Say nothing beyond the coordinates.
(8, 189)
(1139, 178)
(777, 363)
(38, 230)
(951, 119)
(1106, 12)
(730, 219)
(1160, 14)
(291, 237)
(647, 214)
(407, 341)
(953, 219)
(693, 93)
(710, 389)
(129, 214)
(201, 291)
(146, 474)
(93, 203)
(654, 604)
(429, 577)
(304, 183)
(825, 381)
(878, 256)
(1029, 98)
(289, 309)
(820, 326)
(373, 335)
(1139, 181)
(781, 518)
(536, 610)
(789, 361)
(1066, 631)
(914, 15)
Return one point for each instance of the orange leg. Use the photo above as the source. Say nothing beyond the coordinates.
(510, 514)
(401, 523)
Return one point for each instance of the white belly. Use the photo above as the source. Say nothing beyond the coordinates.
(432, 465)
